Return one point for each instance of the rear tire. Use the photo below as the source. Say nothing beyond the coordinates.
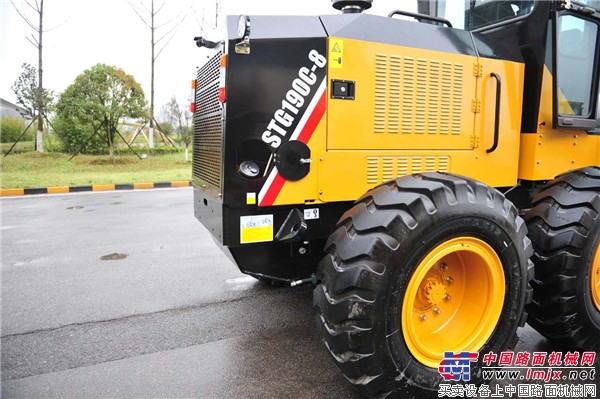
(564, 225)
(384, 281)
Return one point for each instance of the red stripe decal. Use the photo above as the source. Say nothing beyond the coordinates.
(305, 135)
(274, 190)
(313, 120)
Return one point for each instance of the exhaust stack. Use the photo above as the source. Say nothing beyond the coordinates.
(351, 6)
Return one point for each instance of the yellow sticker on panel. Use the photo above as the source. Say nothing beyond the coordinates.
(336, 53)
(257, 228)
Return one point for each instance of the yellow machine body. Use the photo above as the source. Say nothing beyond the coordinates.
(553, 151)
(419, 110)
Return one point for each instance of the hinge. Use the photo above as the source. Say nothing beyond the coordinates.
(475, 141)
(476, 105)
(565, 5)
(477, 69)
(583, 9)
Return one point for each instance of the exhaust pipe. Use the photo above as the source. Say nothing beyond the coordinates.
(351, 6)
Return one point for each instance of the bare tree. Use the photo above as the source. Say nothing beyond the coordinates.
(38, 7)
(202, 19)
(148, 16)
(181, 119)
(217, 12)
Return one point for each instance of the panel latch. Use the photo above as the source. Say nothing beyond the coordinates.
(343, 89)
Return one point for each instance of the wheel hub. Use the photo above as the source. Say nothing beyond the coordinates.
(453, 300)
(435, 292)
(595, 278)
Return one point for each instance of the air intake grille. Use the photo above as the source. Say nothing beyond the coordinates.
(208, 124)
(417, 95)
(382, 169)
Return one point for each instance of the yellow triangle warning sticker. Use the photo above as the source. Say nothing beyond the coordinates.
(336, 53)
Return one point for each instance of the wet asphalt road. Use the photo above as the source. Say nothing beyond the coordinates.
(164, 314)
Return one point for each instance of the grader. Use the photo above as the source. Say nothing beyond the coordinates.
(434, 173)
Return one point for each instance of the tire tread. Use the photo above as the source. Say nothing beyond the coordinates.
(559, 223)
(351, 266)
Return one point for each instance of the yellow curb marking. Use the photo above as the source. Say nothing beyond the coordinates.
(11, 191)
(58, 190)
(6, 192)
(103, 187)
(143, 185)
(184, 183)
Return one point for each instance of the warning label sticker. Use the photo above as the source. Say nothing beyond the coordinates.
(336, 53)
(310, 214)
(256, 228)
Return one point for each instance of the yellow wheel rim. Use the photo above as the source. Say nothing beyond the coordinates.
(453, 300)
(595, 278)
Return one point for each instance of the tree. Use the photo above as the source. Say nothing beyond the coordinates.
(181, 119)
(99, 98)
(38, 8)
(78, 136)
(26, 89)
(203, 22)
(173, 113)
(172, 25)
(165, 127)
(186, 132)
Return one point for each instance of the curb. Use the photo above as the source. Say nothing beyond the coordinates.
(9, 192)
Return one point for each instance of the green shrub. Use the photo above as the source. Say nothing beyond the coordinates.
(79, 137)
(53, 143)
(11, 128)
(165, 127)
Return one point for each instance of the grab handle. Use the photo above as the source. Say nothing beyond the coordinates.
(497, 122)
(420, 16)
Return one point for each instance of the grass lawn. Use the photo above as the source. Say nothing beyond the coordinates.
(33, 169)
(21, 147)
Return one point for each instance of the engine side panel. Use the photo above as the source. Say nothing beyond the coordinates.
(405, 98)
(417, 109)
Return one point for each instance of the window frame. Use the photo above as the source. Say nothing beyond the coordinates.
(502, 22)
(575, 122)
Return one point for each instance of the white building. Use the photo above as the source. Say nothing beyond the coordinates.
(8, 109)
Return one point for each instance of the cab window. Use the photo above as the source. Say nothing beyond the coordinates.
(575, 52)
(474, 14)
(480, 13)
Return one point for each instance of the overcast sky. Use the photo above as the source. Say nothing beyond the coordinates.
(86, 32)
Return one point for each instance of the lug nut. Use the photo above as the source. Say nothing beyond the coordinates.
(444, 266)
(436, 311)
(449, 280)
(422, 317)
(302, 250)
(447, 297)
